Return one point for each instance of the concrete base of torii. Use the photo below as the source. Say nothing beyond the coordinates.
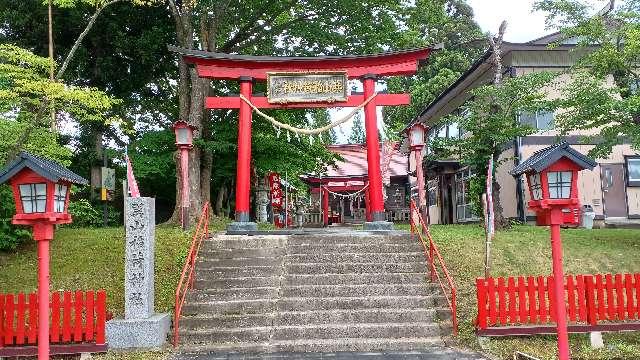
(378, 226)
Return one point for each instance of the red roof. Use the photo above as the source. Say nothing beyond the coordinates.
(354, 163)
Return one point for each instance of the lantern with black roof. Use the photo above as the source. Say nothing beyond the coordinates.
(40, 189)
(41, 192)
(552, 174)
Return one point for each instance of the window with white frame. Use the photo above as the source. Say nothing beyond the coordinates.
(33, 197)
(535, 186)
(541, 120)
(464, 209)
(633, 171)
(59, 198)
(559, 184)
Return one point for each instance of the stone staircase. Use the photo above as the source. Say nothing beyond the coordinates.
(312, 293)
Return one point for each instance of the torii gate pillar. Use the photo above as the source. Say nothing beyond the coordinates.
(376, 200)
(243, 169)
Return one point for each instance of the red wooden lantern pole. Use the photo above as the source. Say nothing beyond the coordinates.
(184, 141)
(558, 283)
(43, 233)
(417, 144)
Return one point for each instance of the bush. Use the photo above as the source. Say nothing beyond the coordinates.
(84, 214)
(10, 236)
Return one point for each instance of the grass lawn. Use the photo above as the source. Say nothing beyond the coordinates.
(525, 250)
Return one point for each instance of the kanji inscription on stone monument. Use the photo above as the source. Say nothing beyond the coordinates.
(139, 258)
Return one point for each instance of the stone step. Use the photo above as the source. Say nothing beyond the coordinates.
(216, 294)
(357, 279)
(354, 290)
(357, 257)
(255, 306)
(244, 242)
(352, 248)
(354, 268)
(206, 281)
(215, 253)
(339, 331)
(229, 307)
(207, 262)
(207, 321)
(359, 238)
(213, 272)
(321, 331)
(255, 293)
(347, 303)
(203, 352)
(355, 316)
(366, 316)
(216, 335)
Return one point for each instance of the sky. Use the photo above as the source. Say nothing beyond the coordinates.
(522, 24)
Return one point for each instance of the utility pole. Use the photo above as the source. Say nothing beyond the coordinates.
(105, 210)
(51, 67)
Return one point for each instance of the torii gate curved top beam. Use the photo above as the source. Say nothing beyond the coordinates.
(230, 66)
(246, 69)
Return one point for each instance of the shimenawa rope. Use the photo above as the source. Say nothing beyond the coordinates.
(309, 131)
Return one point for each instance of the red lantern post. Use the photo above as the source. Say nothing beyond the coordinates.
(552, 174)
(184, 141)
(41, 192)
(417, 144)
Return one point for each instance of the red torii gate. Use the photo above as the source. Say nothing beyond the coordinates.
(247, 69)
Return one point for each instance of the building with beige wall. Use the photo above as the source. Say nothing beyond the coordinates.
(612, 188)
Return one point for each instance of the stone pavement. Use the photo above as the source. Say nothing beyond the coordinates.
(435, 353)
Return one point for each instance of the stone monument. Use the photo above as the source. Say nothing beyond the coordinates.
(141, 326)
(262, 200)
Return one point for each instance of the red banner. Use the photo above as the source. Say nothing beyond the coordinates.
(276, 191)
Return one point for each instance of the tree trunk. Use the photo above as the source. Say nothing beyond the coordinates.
(220, 199)
(498, 212)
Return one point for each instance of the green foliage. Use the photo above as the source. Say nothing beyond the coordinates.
(10, 236)
(153, 164)
(490, 120)
(357, 135)
(429, 22)
(27, 94)
(41, 142)
(603, 92)
(84, 214)
(320, 118)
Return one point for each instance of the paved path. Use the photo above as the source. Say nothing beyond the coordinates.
(435, 353)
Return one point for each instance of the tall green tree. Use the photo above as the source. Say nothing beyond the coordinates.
(602, 94)
(357, 135)
(451, 23)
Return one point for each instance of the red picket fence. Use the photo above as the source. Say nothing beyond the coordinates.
(525, 306)
(77, 323)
